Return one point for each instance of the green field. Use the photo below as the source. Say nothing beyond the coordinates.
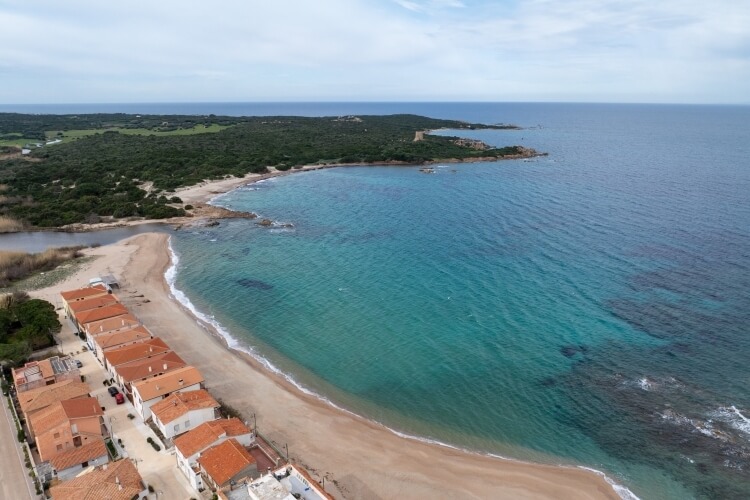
(72, 135)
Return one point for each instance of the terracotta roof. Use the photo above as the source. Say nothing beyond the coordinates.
(150, 367)
(207, 434)
(111, 340)
(167, 383)
(93, 303)
(63, 411)
(143, 350)
(100, 313)
(81, 293)
(41, 397)
(223, 461)
(102, 482)
(178, 404)
(117, 323)
(33, 370)
(77, 456)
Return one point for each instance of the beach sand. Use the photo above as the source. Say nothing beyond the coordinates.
(358, 458)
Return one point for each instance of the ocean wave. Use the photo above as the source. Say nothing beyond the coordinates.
(735, 418)
(203, 319)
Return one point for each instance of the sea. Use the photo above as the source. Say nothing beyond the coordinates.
(588, 308)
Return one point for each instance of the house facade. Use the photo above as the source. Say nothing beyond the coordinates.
(66, 425)
(147, 393)
(184, 411)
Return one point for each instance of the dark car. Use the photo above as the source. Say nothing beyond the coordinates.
(78, 363)
(119, 398)
(113, 391)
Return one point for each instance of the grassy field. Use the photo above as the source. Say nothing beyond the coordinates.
(72, 135)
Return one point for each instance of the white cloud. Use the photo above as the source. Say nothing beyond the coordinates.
(599, 50)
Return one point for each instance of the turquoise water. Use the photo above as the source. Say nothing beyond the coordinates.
(591, 307)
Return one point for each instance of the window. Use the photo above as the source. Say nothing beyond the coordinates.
(59, 447)
(187, 424)
(74, 428)
(57, 435)
(177, 427)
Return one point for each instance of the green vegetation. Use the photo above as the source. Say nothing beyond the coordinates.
(108, 172)
(25, 325)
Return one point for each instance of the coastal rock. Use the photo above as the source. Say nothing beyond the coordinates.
(265, 222)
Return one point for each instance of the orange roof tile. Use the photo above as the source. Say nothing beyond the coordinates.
(167, 383)
(207, 434)
(178, 404)
(223, 461)
(100, 313)
(63, 411)
(114, 339)
(82, 293)
(93, 303)
(41, 397)
(150, 367)
(128, 353)
(102, 482)
(79, 455)
(112, 324)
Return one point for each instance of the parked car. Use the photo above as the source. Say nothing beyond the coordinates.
(119, 398)
(113, 391)
(78, 363)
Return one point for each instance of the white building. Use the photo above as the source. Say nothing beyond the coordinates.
(184, 411)
(147, 393)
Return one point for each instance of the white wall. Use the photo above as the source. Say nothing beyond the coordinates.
(145, 409)
(195, 417)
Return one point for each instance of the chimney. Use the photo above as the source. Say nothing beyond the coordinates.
(164, 366)
(150, 348)
(181, 382)
(149, 368)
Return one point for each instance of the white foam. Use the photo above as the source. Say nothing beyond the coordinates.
(734, 417)
(203, 319)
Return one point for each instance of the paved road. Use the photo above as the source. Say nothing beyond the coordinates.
(13, 474)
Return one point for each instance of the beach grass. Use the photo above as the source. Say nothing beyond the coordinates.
(18, 266)
(9, 224)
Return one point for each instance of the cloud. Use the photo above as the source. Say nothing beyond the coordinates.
(599, 50)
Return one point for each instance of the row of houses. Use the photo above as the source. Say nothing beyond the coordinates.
(221, 454)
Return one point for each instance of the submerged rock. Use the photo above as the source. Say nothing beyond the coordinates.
(257, 284)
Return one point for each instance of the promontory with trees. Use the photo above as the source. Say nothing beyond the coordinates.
(62, 169)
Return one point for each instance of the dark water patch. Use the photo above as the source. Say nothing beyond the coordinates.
(571, 350)
(256, 284)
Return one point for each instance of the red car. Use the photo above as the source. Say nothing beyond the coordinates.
(119, 398)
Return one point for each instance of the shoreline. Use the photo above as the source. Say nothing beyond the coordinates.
(359, 458)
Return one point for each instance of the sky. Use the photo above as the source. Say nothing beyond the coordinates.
(116, 51)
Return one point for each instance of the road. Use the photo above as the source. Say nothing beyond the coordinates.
(14, 480)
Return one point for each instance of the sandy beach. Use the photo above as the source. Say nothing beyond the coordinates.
(358, 458)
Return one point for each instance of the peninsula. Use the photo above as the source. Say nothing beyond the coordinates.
(58, 170)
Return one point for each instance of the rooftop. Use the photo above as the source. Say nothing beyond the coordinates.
(82, 293)
(41, 397)
(93, 303)
(117, 338)
(63, 411)
(128, 353)
(178, 404)
(224, 461)
(268, 488)
(168, 383)
(77, 456)
(102, 482)
(150, 367)
(43, 369)
(112, 324)
(207, 434)
(101, 313)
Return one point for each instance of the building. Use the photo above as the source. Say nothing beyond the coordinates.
(184, 411)
(112, 311)
(287, 483)
(92, 303)
(227, 463)
(49, 371)
(139, 351)
(143, 369)
(147, 393)
(116, 481)
(189, 446)
(68, 424)
(70, 463)
(40, 398)
(81, 294)
(119, 338)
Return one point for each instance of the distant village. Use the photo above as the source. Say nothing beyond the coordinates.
(128, 403)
